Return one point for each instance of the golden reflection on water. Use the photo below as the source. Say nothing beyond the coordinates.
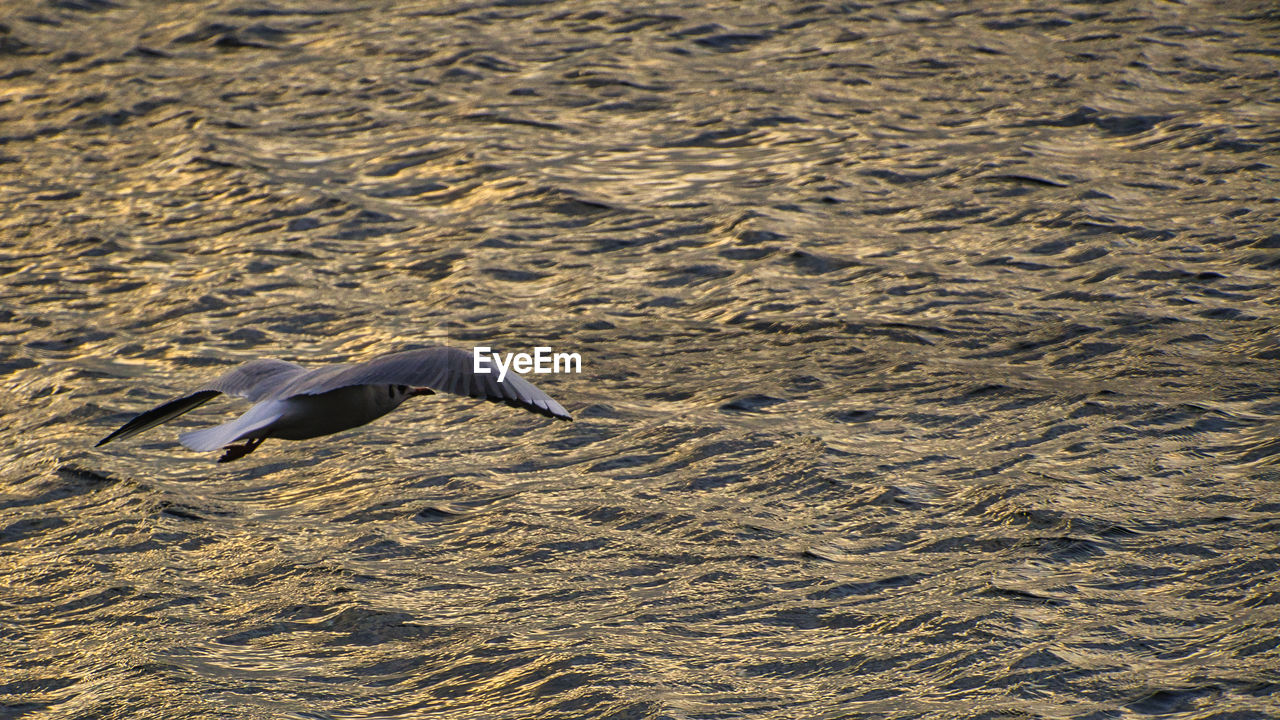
(927, 360)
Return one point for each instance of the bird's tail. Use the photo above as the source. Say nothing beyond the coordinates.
(245, 426)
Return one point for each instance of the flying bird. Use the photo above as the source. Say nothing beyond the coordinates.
(293, 403)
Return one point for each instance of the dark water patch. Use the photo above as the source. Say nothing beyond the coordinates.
(71, 482)
(1038, 659)
(27, 528)
(92, 6)
(561, 203)
(854, 416)
(513, 276)
(436, 268)
(731, 42)
(181, 512)
(814, 264)
(363, 626)
(68, 344)
(748, 254)
(1029, 179)
(444, 512)
(621, 462)
(1067, 548)
(897, 178)
(847, 590)
(427, 188)
(500, 119)
(752, 403)
(1022, 596)
(1167, 702)
(730, 137)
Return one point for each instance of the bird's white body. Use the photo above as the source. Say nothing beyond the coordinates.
(302, 417)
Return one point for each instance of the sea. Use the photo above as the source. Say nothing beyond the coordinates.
(928, 356)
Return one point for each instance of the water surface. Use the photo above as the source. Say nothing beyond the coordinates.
(929, 358)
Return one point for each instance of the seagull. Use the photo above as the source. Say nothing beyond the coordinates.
(293, 403)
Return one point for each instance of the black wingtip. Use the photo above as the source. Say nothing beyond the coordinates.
(115, 434)
(163, 413)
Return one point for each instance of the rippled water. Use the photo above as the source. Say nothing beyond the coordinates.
(929, 358)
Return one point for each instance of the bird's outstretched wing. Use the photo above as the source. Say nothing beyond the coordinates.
(253, 380)
(440, 368)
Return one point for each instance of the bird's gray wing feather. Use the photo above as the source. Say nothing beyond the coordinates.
(256, 379)
(253, 380)
(440, 368)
